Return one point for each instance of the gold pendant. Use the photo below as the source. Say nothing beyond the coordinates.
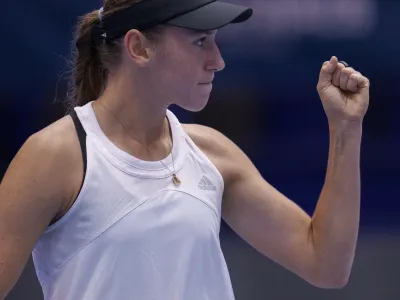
(176, 180)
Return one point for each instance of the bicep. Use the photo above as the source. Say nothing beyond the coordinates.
(29, 199)
(255, 210)
(266, 219)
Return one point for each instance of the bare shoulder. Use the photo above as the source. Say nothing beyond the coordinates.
(222, 151)
(60, 141)
(50, 159)
(208, 139)
(59, 138)
(57, 143)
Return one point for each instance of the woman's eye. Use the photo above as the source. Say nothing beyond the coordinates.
(200, 42)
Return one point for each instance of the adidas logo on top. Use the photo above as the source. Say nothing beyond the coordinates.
(206, 184)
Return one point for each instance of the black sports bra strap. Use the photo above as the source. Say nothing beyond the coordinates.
(82, 138)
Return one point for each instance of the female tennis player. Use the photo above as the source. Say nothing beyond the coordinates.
(119, 200)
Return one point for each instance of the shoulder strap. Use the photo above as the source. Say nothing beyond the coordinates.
(82, 138)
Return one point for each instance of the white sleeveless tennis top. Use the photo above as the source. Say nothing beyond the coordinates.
(131, 234)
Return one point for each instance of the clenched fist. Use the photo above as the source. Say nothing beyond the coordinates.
(344, 92)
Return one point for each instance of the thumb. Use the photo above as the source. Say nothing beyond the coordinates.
(327, 71)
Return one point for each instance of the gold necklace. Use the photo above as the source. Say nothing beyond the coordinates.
(175, 180)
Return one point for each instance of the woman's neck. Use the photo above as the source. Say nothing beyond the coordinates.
(138, 112)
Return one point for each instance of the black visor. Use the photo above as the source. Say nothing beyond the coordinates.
(212, 16)
(190, 14)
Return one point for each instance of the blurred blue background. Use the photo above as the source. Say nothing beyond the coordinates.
(266, 102)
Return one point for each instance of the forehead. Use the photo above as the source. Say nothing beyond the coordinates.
(190, 32)
(202, 32)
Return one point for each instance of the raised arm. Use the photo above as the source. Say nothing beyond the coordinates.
(320, 248)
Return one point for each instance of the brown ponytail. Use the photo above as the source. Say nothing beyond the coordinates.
(88, 75)
(90, 63)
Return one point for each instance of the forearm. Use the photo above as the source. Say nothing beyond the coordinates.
(335, 223)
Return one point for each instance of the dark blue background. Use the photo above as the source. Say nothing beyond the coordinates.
(265, 100)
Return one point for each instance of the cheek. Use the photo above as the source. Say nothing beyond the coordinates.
(180, 72)
(185, 73)
(184, 63)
